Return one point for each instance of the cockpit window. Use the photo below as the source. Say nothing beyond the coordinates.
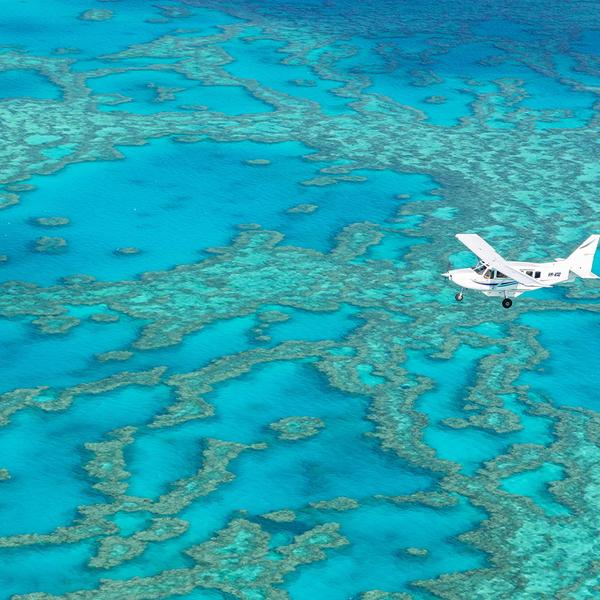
(489, 274)
(480, 268)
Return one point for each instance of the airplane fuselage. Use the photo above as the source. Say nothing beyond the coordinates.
(494, 283)
(496, 276)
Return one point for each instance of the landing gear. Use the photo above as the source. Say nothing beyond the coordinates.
(507, 302)
(458, 296)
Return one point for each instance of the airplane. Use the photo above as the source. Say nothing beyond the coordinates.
(495, 276)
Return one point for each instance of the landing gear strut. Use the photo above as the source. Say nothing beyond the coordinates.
(507, 302)
(459, 296)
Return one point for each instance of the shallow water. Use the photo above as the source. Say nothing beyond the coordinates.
(268, 352)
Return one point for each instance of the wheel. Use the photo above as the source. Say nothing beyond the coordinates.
(458, 296)
(507, 302)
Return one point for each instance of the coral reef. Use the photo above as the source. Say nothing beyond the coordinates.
(238, 557)
(524, 177)
(280, 516)
(303, 208)
(51, 245)
(258, 162)
(340, 504)
(51, 221)
(127, 250)
(114, 355)
(96, 14)
(297, 428)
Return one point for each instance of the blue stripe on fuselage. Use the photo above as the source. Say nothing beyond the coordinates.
(503, 284)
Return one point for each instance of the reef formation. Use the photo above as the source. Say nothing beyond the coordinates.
(436, 395)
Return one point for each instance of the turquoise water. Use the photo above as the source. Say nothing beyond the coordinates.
(18, 83)
(25, 352)
(186, 186)
(269, 394)
(460, 74)
(29, 26)
(141, 86)
(380, 562)
(263, 60)
(270, 229)
(305, 325)
(57, 449)
(574, 359)
(473, 446)
(535, 485)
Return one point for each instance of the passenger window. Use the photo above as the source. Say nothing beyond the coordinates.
(500, 275)
(530, 273)
(537, 274)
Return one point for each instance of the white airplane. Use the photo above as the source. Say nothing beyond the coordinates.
(495, 276)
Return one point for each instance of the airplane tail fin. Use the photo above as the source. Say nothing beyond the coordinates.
(580, 261)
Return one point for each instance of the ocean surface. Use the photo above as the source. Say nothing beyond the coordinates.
(229, 364)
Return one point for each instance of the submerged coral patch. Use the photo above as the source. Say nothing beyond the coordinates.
(253, 382)
(297, 428)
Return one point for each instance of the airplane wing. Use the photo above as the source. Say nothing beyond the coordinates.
(478, 246)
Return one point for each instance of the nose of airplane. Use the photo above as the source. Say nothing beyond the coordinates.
(447, 274)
